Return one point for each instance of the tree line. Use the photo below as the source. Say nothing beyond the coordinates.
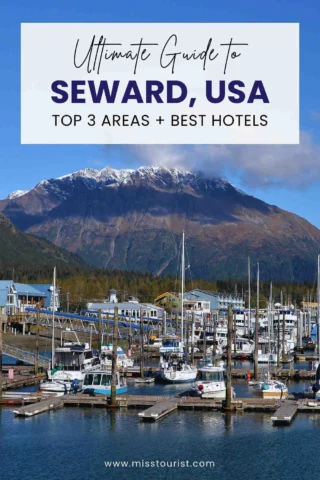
(79, 285)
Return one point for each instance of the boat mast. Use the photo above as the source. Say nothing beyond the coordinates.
(256, 340)
(269, 319)
(182, 283)
(318, 316)
(53, 307)
(249, 295)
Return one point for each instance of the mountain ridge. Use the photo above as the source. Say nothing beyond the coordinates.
(133, 219)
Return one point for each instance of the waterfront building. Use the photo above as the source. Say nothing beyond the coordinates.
(16, 297)
(217, 300)
(126, 309)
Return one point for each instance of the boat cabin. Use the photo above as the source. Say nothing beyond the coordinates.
(210, 375)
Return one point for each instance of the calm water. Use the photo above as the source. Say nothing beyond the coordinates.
(73, 444)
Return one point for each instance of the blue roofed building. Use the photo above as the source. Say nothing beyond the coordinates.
(47, 289)
(15, 297)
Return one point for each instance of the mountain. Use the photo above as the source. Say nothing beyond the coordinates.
(17, 247)
(133, 219)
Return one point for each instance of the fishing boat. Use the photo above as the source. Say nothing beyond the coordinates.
(210, 381)
(123, 361)
(71, 361)
(99, 382)
(176, 370)
(270, 389)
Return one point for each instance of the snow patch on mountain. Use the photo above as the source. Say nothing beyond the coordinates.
(16, 194)
(156, 176)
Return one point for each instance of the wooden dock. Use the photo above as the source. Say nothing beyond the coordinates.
(156, 407)
(286, 412)
(21, 381)
(159, 410)
(39, 407)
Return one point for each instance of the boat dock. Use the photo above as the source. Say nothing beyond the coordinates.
(156, 407)
(159, 410)
(286, 412)
(39, 407)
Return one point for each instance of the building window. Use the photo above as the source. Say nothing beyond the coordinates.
(10, 299)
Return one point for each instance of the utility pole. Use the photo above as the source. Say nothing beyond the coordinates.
(36, 364)
(100, 330)
(114, 359)
(256, 340)
(229, 360)
(141, 344)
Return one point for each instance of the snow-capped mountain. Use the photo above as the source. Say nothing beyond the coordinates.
(16, 193)
(133, 219)
(157, 177)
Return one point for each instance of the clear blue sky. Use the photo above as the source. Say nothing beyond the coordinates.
(22, 166)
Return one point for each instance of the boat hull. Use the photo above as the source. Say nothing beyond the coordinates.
(266, 394)
(176, 377)
(105, 391)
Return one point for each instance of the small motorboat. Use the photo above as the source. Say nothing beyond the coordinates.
(56, 386)
(210, 381)
(176, 370)
(270, 389)
(99, 382)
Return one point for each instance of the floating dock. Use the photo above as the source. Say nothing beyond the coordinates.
(40, 407)
(286, 412)
(159, 410)
(156, 407)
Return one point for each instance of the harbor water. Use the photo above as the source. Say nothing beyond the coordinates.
(75, 443)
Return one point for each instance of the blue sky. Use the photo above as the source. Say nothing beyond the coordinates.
(22, 166)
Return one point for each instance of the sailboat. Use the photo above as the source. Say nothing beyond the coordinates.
(178, 370)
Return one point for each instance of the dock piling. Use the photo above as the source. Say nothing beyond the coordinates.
(114, 359)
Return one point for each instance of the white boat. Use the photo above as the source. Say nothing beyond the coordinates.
(243, 346)
(154, 344)
(123, 361)
(71, 361)
(210, 381)
(176, 371)
(270, 389)
(99, 382)
(268, 358)
(56, 386)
